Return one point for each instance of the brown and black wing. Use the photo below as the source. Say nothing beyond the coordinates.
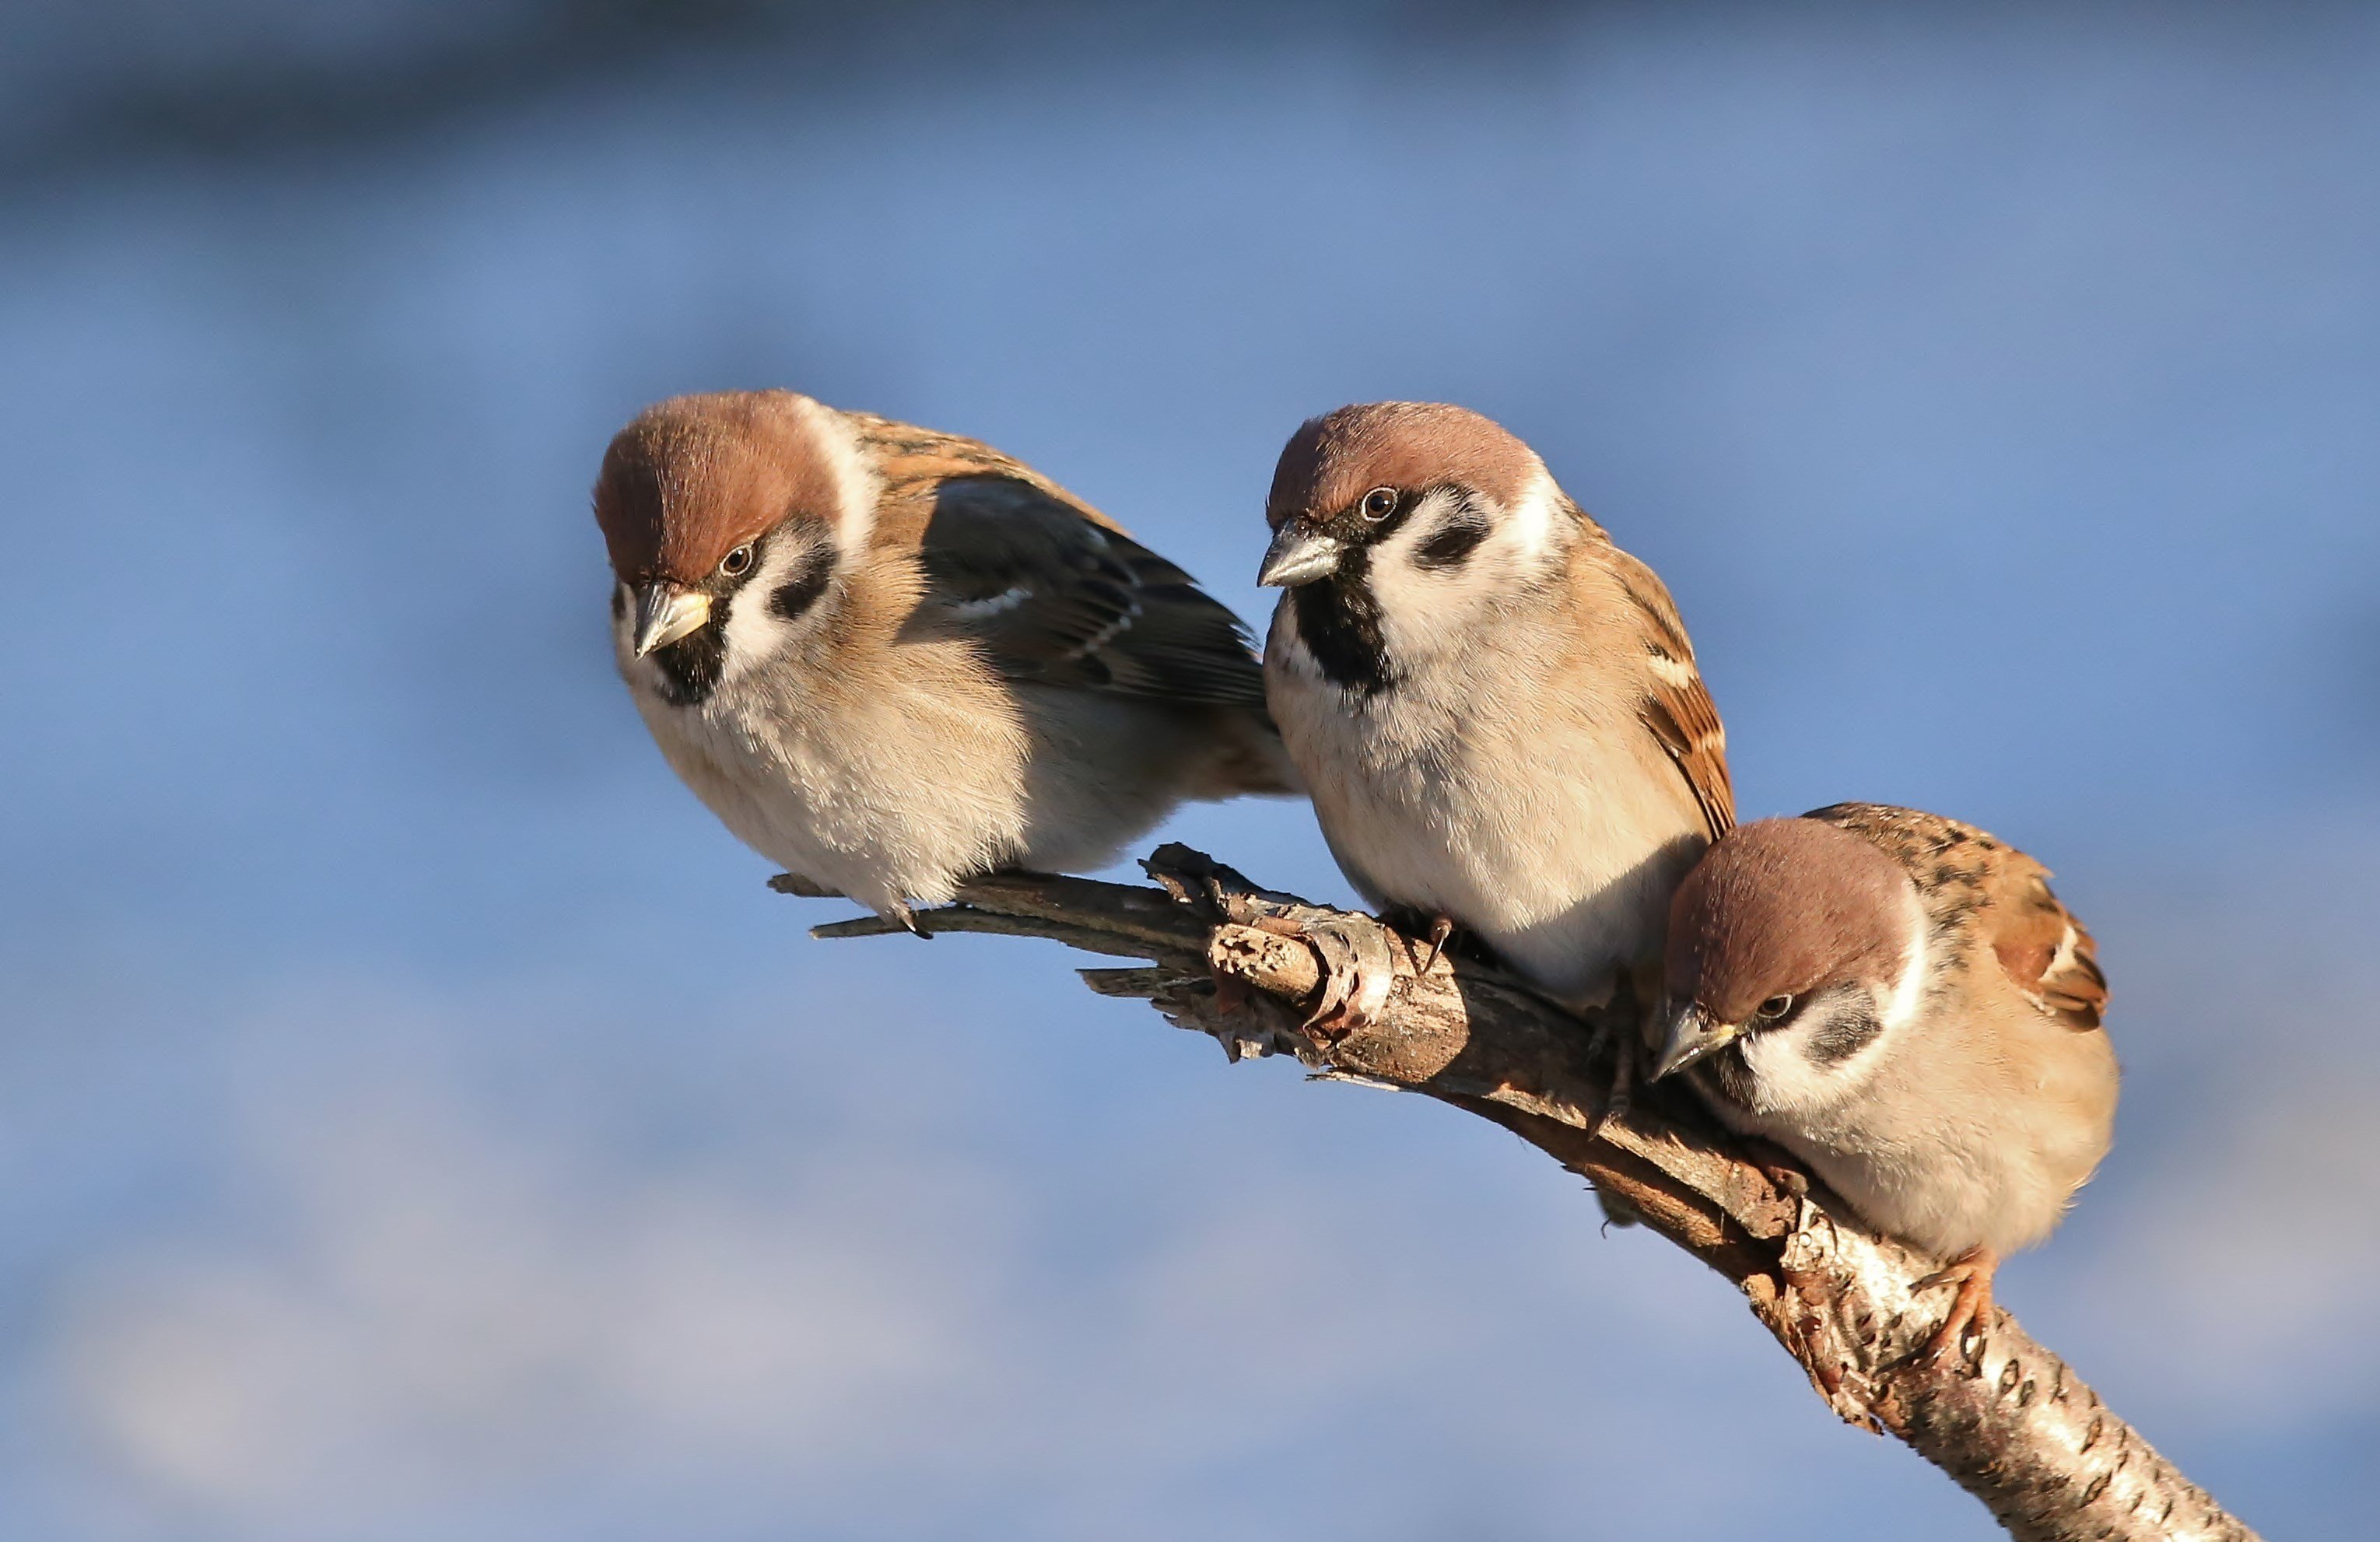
(1678, 709)
(1965, 874)
(1049, 588)
(1056, 597)
(2048, 952)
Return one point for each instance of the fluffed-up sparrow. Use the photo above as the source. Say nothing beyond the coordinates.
(1497, 709)
(1900, 1001)
(890, 659)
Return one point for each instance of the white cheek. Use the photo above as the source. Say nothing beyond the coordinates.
(1420, 605)
(1790, 1081)
(1393, 554)
(754, 630)
(1780, 1066)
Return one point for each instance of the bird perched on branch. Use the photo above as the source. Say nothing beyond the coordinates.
(890, 659)
(1496, 707)
(1900, 1001)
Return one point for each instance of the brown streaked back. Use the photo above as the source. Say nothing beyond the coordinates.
(1966, 874)
(916, 463)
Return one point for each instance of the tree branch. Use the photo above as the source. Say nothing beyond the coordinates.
(2007, 1419)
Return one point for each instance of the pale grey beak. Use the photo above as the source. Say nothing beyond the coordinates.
(1299, 555)
(1692, 1037)
(666, 611)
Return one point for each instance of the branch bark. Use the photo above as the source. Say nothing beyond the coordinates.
(2007, 1420)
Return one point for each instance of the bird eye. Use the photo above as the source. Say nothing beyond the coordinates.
(1380, 502)
(735, 564)
(1774, 1008)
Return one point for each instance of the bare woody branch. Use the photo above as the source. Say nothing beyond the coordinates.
(2007, 1421)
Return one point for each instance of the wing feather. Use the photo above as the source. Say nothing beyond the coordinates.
(1677, 709)
(1053, 591)
(1965, 872)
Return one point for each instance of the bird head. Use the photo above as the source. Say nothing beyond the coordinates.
(1794, 948)
(1395, 520)
(725, 515)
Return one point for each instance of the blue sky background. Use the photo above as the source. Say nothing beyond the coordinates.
(416, 1120)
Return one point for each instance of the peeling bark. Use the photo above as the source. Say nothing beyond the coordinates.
(1259, 971)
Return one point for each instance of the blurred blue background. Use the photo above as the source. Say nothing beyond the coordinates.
(416, 1120)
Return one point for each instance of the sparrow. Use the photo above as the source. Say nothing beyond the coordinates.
(1497, 709)
(1898, 1000)
(890, 659)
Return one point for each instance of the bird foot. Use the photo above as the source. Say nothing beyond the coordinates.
(805, 888)
(1773, 1162)
(1438, 936)
(1619, 1040)
(1972, 1272)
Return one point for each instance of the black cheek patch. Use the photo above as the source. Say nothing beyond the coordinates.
(1451, 543)
(798, 593)
(1842, 1037)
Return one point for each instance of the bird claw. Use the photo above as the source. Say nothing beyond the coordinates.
(1621, 1044)
(1971, 1271)
(898, 912)
(1778, 1166)
(1440, 928)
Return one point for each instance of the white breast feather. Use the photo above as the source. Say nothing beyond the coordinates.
(1924, 1132)
(888, 789)
(1545, 819)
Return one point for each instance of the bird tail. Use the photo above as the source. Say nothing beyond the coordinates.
(1254, 762)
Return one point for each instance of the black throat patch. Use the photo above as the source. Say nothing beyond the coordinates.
(1340, 622)
(690, 667)
(1725, 1076)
